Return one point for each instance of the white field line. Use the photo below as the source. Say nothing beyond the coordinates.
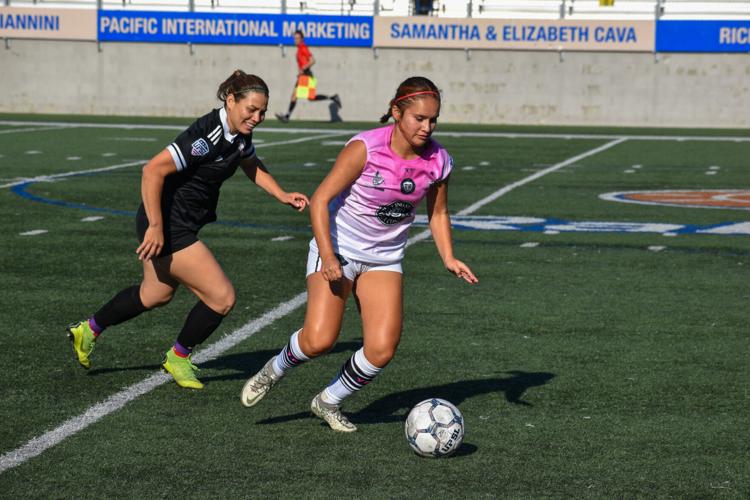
(38, 445)
(521, 135)
(37, 129)
(47, 178)
(500, 192)
(506, 135)
(96, 412)
(19, 123)
(303, 139)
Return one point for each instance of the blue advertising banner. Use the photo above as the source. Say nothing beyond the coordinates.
(231, 28)
(703, 36)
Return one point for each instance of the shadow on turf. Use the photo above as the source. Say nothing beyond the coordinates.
(102, 371)
(464, 450)
(240, 365)
(394, 407)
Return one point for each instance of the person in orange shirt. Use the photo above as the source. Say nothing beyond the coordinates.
(306, 85)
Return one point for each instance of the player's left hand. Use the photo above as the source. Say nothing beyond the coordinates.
(461, 270)
(298, 201)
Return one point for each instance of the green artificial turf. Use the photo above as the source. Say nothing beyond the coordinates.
(589, 366)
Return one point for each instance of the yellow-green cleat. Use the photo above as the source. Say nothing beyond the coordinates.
(83, 339)
(182, 370)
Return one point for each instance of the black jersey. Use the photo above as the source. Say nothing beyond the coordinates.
(206, 155)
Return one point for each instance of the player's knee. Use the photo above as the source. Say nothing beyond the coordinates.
(161, 301)
(381, 353)
(154, 300)
(223, 301)
(315, 342)
(382, 357)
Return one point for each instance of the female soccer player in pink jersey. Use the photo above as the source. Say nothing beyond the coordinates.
(361, 214)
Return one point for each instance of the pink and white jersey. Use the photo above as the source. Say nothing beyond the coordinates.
(370, 221)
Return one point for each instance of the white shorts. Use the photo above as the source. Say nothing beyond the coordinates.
(351, 268)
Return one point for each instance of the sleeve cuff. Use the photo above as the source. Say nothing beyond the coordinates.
(177, 157)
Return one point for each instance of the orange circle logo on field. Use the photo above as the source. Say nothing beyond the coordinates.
(732, 199)
(719, 199)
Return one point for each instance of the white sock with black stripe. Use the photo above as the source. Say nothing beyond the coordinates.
(356, 373)
(290, 356)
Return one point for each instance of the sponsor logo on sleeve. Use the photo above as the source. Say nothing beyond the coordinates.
(199, 147)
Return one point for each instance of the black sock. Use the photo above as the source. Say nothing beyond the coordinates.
(292, 104)
(123, 306)
(321, 97)
(199, 325)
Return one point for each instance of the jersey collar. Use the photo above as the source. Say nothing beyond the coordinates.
(225, 125)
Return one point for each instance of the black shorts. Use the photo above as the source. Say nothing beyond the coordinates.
(175, 237)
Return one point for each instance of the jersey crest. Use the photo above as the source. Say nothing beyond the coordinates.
(408, 186)
(199, 147)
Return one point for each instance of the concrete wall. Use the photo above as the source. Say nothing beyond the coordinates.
(686, 90)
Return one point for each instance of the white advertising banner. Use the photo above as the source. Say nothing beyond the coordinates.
(514, 34)
(55, 24)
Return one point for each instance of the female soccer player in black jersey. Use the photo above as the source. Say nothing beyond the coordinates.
(180, 190)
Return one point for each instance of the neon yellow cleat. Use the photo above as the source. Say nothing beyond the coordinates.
(182, 369)
(83, 340)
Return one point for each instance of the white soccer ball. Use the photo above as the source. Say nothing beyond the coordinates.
(434, 428)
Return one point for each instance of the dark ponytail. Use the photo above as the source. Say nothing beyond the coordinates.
(411, 89)
(240, 84)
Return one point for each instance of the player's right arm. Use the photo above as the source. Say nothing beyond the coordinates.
(348, 167)
(152, 183)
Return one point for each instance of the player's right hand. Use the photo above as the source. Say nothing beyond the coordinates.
(153, 242)
(330, 267)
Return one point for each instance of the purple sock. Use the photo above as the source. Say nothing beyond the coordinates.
(181, 350)
(94, 327)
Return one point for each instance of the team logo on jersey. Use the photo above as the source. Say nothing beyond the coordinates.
(199, 147)
(408, 186)
(395, 212)
(377, 179)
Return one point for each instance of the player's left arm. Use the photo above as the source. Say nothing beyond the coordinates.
(440, 226)
(258, 173)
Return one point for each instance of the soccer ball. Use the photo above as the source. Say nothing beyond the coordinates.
(434, 428)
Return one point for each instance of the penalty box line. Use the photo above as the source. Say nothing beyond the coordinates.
(40, 444)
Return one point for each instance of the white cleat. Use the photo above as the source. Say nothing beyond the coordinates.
(259, 384)
(332, 415)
